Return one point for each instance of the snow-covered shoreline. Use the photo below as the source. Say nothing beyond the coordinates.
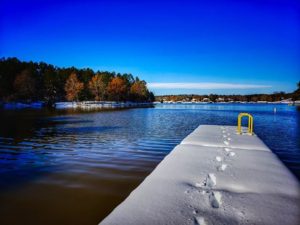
(214, 176)
(101, 105)
(113, 105)
(77, 105)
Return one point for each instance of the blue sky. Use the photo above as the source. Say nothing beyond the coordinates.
(217, 46)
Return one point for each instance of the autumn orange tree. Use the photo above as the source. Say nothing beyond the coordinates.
(139, 91)
(97, 86)
(117, 89)
(19, 81)
(73, 87)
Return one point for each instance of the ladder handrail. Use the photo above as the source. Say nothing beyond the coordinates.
(250, 123)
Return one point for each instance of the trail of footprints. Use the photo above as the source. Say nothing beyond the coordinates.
(215, 197)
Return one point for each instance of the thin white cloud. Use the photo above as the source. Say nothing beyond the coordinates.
(205, 86)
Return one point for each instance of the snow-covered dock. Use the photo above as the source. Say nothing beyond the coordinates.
(215, 176)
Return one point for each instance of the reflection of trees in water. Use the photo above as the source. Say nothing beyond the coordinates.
(27, 137)
(18, 124)
(25, 124)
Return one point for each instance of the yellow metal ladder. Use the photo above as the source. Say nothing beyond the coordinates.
(250, 123)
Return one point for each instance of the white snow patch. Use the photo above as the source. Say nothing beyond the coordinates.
(212, 137)
(218, 158)
(65, 105)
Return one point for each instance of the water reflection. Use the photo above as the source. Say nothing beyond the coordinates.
(70, 167)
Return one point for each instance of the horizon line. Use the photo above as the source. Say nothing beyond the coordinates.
(205, 85)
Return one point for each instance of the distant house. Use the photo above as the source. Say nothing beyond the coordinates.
(220, 99)
(206, 100)
(289, 100)
(185, 100)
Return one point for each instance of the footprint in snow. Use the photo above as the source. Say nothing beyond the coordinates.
(203, 192)
(200, 220)
(218, 158)
(211, 180)
(227, 149)
(222, 167)
(231, 153)
(195, 211)
(215, 199)
(198, 185)
(226, 142)
(187, 192)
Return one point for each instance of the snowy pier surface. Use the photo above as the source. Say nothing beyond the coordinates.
(214, 176)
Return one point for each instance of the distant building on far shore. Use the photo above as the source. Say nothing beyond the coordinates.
(220, 99)
(206, 100)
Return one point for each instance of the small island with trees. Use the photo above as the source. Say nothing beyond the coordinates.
(30, 82)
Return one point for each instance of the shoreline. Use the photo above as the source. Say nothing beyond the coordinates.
(297, 102)
(87, 105)
(101, 105)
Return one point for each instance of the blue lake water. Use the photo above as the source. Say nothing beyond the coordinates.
(72, 167)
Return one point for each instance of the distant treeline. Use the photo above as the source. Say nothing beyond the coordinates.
(30, 81)
(277, 96)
